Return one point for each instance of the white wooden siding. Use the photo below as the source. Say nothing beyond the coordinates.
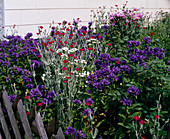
(27, 15)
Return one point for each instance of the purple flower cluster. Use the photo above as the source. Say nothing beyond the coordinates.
(36, 93)
(126, 102)
(133, 90)
(69, 130)
(142, 56)
(15, 70)
(127, 15)
(29, 86)
(41, 92)
(88, 101)
(168, 62)
(87, 112)
(108, 71)
(18, 71)
(36, 63)
(11, 52)
(12, 98)
(80, 134)
(132, 43)
(146, 40)
(28, 35)
(77, 101)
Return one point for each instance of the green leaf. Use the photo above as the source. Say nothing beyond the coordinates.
(164, 111)
(101, 122)
(153, 109)
(121, 115)
(121, 124)
(136, 114)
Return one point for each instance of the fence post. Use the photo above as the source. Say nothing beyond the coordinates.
(60, 134)
(40, 126)
(3, 123)
(11, 114)
(24, 120)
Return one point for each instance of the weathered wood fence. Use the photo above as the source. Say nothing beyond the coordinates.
(15, 124)
(28, 126)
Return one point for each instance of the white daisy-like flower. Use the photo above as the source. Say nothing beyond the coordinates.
(88, 73)
(65, 48)
(61, 74)
(64, 55)
(76, 60)
(83, 61)
(59, 50)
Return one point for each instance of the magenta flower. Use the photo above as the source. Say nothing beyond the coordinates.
(64, 68)
(141, 122)
(156, 117)
(88, 101)
(77, 69)
(136, 118)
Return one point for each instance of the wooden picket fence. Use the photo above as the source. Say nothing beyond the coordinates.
(30, 125)
(16, 114)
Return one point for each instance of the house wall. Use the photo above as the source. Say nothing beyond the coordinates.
(27, 15)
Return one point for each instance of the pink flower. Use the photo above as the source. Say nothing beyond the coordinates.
(71, 46)
(89, 48)
(141, 122)
(82, 49)
(117, 62)
(41, 27)
(109, 44)
(156, 117)
(136, 118)
(64, 68)
(77, 69)
(59, 54)
(152, 33)
(70, 55)
(88, 104)
(64, 81)
(27, 113)
(65, 61)
(68, 77)
(40, 104)
(39, 56)
(67, 29)
(27, 97)
(70, 73)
